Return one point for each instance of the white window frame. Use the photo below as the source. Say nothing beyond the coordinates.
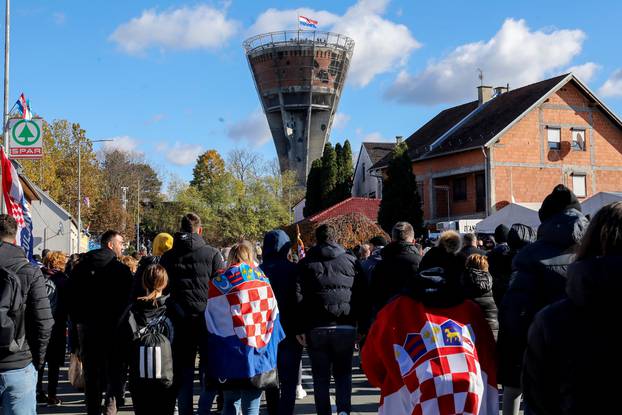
(582, 182)
(557, 139)
(575, 144)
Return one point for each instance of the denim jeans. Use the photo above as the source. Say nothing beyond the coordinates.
(244, 401)
(331, 350)
(18, 391)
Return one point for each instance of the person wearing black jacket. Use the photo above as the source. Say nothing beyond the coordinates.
(477, 284)
(446, 255)
(190, 264)
(567, 370)
(538, 279)
(18, 369)
(469, 246)
(399, 265)
(99, 289)
(161, 243)
(282, 275)
(330, 290)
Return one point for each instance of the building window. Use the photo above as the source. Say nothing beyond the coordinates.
(364, 172)
(578, 140)
(459, 189)
(578, 185)
(420, 190)
(554, 138)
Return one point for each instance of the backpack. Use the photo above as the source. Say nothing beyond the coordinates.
(152, 358)
(12, 308)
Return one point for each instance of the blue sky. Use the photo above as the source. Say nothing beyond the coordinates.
(169, 79)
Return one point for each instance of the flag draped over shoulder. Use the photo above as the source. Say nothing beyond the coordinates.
(16, 205)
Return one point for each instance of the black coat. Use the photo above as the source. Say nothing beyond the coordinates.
(477, 285)
(452, 264)
(190, 265)
(370, 263)
(500, 266)
(99, 290)
(572, 363)
(538, 279)
(38, 319)
(467, 251)
(330, 288)
(399, 265)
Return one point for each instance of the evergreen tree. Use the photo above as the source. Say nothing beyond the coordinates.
(346, 171)
(328, 176)
(313, 199)
(400, 197)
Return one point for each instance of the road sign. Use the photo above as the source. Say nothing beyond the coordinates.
(26, 139)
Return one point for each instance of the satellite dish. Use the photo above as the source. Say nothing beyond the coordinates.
(580, 139)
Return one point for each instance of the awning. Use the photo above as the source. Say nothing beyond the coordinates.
(525, 213)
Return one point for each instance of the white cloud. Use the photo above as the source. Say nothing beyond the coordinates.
(380, 44)
(199, 27)
(374, 137)
(254, 129)
(515, 54)
(125, 144)
(612, 86)
(340, 121)
(584, 72)
(180, 154)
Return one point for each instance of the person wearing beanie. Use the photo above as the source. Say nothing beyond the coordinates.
(446, 255)
(538, 279)
(162, 243)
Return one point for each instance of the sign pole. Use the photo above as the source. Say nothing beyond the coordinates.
(5, 118)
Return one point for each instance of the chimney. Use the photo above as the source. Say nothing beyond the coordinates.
(484, 93)
(501, 90)
(398, 139)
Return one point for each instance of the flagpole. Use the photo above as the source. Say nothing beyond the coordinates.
(5, 118)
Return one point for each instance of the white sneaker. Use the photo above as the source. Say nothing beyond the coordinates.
(300, 392)
(342, 413)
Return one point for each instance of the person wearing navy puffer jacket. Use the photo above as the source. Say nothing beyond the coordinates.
(538, 279)
(282, 274)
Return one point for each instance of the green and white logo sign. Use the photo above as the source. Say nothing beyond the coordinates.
(26, 138)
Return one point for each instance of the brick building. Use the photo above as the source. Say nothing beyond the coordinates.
(515, 146)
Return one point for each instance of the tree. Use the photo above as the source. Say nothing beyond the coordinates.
(211, 178)
(400, 197)
(313, 198)
(344, 173)
(328, 176)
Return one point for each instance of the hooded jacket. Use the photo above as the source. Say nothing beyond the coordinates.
(399, 265)
(477, 285)
(282, 274)
(572, 363)
(538, 279)
(38, 319)
(446, 255)
(330, 288)
(428, 344)
(99, 290)
(190, 264)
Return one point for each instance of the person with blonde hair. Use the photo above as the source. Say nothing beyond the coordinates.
(243, 324)
(56, 285)
(130, 262)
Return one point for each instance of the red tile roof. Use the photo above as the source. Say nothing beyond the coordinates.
(363, 205)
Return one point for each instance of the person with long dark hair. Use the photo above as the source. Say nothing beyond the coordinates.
(571, 363)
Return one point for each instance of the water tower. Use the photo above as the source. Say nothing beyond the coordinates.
(299, 77)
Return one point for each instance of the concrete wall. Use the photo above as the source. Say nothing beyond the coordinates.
(52, 228)
(364, 185)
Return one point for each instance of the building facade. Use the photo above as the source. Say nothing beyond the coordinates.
(365, 183)
(515, 146)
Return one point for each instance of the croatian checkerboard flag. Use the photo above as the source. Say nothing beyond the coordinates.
(24, 107)
(306, 23)
(16, 205)
(243, 323)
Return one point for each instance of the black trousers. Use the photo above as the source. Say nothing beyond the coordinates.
(150, 399)
(101, 362)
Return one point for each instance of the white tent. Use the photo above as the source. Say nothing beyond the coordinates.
(525, 213)
(593, 204)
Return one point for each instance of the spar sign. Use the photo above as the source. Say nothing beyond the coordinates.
(26, 138)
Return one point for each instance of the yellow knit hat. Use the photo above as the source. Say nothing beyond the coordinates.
(162, 243)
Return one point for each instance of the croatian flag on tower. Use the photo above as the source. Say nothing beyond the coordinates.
(16, 205)
(305, 22)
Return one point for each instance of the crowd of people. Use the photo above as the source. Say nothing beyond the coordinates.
(439, 327)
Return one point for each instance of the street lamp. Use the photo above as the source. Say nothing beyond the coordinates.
(79, 189)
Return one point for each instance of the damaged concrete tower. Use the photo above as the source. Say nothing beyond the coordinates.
(299, 77)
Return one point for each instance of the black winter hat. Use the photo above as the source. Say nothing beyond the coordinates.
(559, 200)
(501, 233)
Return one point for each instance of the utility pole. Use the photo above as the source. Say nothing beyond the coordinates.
(5, 118)
(138, 216)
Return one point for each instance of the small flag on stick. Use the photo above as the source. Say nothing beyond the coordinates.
(300, 246)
